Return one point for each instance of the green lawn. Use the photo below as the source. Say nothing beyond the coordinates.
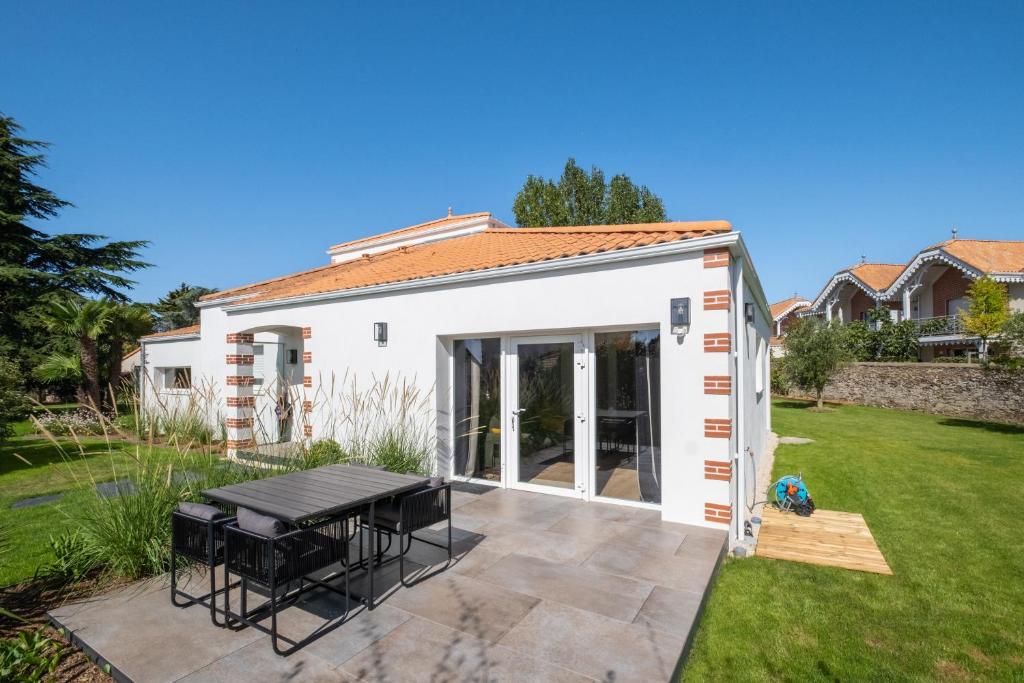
(942, 497)
(46, 471)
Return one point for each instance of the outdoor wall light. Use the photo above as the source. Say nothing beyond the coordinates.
(748, 313)
(380, 334)
(680, 316)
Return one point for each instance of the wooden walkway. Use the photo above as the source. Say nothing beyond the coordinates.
(834, 539)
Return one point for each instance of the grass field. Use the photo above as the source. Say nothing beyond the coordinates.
(34, 466)
(942, 497)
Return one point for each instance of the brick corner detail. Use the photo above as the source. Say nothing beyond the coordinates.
(717, 513)
(719, 470)
(716, 258)
(716, 428)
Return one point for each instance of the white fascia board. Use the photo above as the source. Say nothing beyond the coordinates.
(926, 257)
(846, 276)
(176, 337)
(645, 252)
(209, 303)
(792, 307)
(751, 278)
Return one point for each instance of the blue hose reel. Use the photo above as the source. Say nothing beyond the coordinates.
(791, 495)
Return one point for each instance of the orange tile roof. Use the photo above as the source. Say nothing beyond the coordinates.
(878, 276)
(177, 332)
(780, 307)
(488, 249)
(989, 256)
(429, 225)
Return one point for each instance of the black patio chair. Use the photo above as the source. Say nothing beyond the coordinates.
(414, 511)
(272, 557)
(197, 533)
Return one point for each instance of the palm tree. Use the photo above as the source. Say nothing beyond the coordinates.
(85, 320)
(128, 322)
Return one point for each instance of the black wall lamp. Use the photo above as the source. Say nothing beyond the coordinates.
(380, 334)
(680, 316)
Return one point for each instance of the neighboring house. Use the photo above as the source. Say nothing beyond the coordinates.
(930, 290)
(784, 313)
(557, 360)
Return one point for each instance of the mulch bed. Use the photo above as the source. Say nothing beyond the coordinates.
(31, 600)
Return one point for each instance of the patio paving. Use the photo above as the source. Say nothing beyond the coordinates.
(542, 588)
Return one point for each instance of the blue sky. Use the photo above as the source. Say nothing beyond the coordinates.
(244, 138)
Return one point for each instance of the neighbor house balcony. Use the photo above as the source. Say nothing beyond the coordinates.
(941, 326)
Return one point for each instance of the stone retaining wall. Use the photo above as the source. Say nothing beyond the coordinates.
(946, 389)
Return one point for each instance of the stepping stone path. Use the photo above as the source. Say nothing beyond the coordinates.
(107, 489)
(795, 440)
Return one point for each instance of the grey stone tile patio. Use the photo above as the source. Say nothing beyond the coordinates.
(542, 588)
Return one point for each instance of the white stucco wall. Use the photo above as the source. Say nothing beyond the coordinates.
(422, 322)
(169, 353)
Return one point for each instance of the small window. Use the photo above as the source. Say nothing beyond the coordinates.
(176, 378)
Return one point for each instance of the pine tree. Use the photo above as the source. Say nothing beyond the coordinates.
(35, 265)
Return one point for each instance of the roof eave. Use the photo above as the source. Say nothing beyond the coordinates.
(633, 253)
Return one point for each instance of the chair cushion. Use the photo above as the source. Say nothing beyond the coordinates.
(202, 511)
(254, 522)
(387, 515)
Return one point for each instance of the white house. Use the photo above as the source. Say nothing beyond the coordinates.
(623, 363)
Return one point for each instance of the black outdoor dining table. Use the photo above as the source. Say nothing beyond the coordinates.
(318, 493)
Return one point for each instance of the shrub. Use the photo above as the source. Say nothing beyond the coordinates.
(779, 382)
(72, 559)
(29, 656)
(322, 452)
(861, 341)
(897, 341)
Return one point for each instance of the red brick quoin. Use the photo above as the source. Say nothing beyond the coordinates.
(718, 384)
(240, 338)
(307, 332)
(717, 342)
(715, 428)
(714, 512)
(716, 300)
(716, 258)
(718, 469)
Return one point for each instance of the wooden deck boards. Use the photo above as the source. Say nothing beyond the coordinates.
(830, 538)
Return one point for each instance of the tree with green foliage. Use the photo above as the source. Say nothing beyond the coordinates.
(1011, 337)
(177, 308)
(581, 198)
(35, 265)
(128, 322)
(988, 311)
(13, 406)
(84, 320)
(815, 352)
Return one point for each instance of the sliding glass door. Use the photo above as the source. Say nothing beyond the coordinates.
(575, 414)
(476, 365)
(627, 453)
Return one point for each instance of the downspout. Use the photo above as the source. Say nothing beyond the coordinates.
(739, 516)
(142, 376)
